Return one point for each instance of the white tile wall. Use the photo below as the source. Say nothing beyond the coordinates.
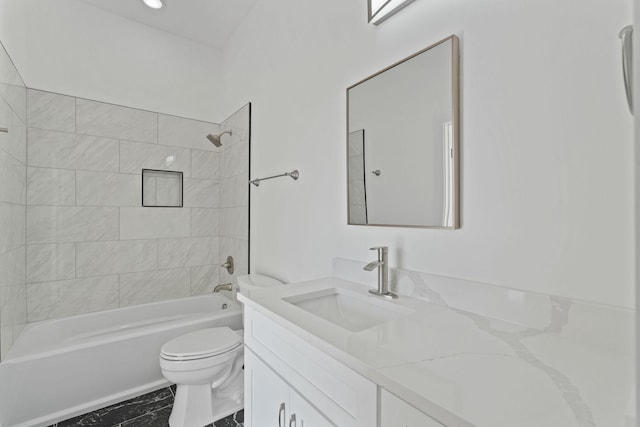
(201, 193)
(150, 223)
(205, 222)
(12, 267)
(235, 191)
(137, 156)
(53, 187)
(107, 189)
(13, 142)
(204, 278)
(46, 110)
(51, 149)
(205, 164)
(53, 224)
(102, 119)
(234, 159)
(105, 258)
(187, 252)
(13, 310)
(139, 288)
(235, 222)
(12, 227)
(13, 179)
(15, 95)
(67, 297)
(51, 262)
(13, 307)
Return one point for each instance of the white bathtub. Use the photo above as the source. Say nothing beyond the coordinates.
(61, 368)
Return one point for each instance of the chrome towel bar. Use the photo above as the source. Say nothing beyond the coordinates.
(294, 174)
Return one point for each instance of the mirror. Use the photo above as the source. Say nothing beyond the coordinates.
(402, 142)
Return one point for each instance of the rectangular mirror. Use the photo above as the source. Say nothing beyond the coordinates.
(402, 142)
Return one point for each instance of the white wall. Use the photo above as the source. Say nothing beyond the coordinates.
(546, 140)
(68, 47)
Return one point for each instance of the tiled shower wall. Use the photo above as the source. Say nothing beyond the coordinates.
(13, 148)
(90, 244)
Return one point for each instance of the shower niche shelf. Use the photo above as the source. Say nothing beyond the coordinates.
(162, 189)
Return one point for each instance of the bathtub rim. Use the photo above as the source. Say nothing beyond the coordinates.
(234, 308)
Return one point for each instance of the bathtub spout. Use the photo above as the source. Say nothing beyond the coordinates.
(223, 287)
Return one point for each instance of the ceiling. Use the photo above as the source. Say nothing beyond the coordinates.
(211, 22)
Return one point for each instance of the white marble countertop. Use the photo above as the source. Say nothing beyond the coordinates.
(465, 369)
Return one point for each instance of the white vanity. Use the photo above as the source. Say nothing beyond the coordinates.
(327, 352)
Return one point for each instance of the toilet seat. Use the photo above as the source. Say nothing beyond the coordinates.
(201, 344)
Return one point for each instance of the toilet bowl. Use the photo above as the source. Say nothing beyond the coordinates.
(206, 366)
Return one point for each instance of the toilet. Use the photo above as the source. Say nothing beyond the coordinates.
(207, 367)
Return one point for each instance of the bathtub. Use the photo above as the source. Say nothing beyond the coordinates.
(61, 368)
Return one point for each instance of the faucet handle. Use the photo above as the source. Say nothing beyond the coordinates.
(380, 248)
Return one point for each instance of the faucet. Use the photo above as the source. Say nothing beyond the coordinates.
(382, 264)
(223, 287)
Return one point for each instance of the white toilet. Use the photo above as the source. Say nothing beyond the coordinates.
(206, 365)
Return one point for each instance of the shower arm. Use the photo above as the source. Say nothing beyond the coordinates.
(294, 174)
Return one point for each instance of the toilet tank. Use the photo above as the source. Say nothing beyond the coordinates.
(250, 284)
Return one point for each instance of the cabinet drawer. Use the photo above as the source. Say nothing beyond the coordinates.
(343, 396)
(395, 412)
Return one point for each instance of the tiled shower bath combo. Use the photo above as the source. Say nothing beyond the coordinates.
(90, 244)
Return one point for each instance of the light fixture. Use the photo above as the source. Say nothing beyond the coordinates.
(379, 10)
(153, 4)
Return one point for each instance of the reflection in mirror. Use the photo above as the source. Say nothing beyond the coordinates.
(357, 178)
(405, 172)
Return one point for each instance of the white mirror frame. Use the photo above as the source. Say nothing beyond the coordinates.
(380, 10)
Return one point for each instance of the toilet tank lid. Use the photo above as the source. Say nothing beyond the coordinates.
(203, 342)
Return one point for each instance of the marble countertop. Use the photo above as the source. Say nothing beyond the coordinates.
(465, 369)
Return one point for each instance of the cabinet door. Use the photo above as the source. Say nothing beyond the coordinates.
(266, 394)
(302, 414)
(395, 412)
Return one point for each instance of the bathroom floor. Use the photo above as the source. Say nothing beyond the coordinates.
(149, 410)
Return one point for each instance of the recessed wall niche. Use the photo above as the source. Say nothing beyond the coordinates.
(161, 188)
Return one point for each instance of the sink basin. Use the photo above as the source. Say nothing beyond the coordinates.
(348, 310)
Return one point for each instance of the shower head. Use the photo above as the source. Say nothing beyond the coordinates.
(215, 139)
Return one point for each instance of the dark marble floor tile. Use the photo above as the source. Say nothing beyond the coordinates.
(159, 418)
(234, 420)
(123, 411)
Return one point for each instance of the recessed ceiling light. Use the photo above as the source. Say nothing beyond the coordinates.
(153, 4)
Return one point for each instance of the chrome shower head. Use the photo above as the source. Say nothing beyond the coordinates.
(215, 139)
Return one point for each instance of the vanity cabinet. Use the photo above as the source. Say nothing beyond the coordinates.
(397, 413)
(284, 369)
(272, 402)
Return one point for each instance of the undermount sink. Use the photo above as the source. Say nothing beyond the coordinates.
(348, 310)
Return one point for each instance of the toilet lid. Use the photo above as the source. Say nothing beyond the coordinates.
(202, 343)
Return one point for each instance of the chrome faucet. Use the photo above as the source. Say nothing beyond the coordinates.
(382, 264)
